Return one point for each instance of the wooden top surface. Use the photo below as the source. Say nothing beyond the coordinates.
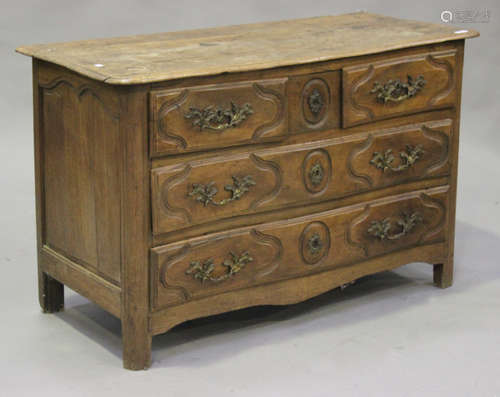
(164, 56)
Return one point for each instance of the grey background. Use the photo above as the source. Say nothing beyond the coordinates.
(392, 334)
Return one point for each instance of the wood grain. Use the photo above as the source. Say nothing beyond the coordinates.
(326, 86)
(283, 179)
(81, 280)
(443, 272)
(136, 227)
(50, 291)
(165, 56)
(280, 250)
(172, 132)
(360, 105)
(293, 290)
(79, 131)
(115, 165)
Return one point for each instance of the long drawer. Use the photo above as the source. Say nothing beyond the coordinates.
(245, 257)
(202, 191)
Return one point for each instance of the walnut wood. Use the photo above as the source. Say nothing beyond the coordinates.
(279, 249)
(443, 272)
(282, 174)
(80, 144)
(172, 132)
(79, 279)
(360, 104)
(164, 56)
(303, 288)
(116, 159)
(300, 90)
(136, 228)
(50, 291)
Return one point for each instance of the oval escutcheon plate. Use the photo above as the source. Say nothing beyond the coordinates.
(315, 101)
(317, 171)
(314, 242)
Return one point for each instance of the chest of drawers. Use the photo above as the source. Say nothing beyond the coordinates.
(185, 174)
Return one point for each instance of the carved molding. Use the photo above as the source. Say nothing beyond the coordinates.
(268, 166)
(172, 287)
(279, 101)
(174, 111)
(193, 191)
(430, 133)
(165, 135)
(434, 60)
(185, 288)
(360, 109)
(80, 91)
(451, 82)
(440, 218)
(359, 177)
(168, 208)
(275, 243)
(444, 141)
(349, 238)
(432, 224)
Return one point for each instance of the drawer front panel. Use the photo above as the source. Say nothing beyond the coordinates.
(270, 252)
(398, 86)
(208, 190)
(215, 116)
(314, 102)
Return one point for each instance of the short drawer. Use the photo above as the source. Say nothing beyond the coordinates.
(216, 116)
(208, 190)
(270, 252)
(397, 86)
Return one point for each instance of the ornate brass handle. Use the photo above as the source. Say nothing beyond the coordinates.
(203, 270)
(205, 193)
(217, 118)
(384, 229)
(408, 157)
(396, 90)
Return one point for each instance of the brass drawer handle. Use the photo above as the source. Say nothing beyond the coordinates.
(217, 118)
(396, 90)
(408, 157)
(203, 270)
(205, 193)
(381, 229)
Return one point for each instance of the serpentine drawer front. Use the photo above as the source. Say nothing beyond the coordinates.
(394, 86)
(200, 191)
(215, 116)
(270, 252)
(181, 175)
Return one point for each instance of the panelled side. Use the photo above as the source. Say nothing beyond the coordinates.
(80, 170)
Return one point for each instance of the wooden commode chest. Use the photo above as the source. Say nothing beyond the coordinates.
(180, 175)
